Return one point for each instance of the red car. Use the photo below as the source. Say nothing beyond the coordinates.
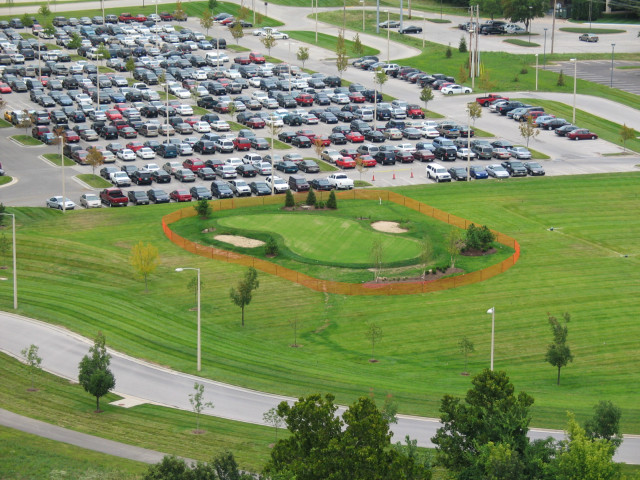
(323, 139)
(404, 157)
(414, 111)
(227, 21)
(241, 143)
(304, 99)
(191, 120)
(349, 152)
(193, 164)
(180, 195)
(356, 97)
(121, 107)
(346, 162)
(126, 18)
(355, 137)
(368, 161)
(5, 88)
(140, 18)
(581, 134)
(256, 57)
(113, 114)
(424, 155)
(306, 133)
(242, 60)
(135, 146)
(255, 122)
(71, 136)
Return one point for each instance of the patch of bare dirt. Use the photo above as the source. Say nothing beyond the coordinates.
(388, 227)
(469, 252)
(429, 277)
(239, 241)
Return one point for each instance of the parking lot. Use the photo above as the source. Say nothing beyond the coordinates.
(191, 69)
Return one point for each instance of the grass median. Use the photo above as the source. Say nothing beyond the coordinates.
(55, 159)
(329, 42)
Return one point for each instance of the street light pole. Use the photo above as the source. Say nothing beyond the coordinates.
(536, 72)
(377, 16)
(388, 38)
(575, 86)
(544, 61)
(492, 311)
(363, 4)
(179, 269)
(613, 46)
(15, 266)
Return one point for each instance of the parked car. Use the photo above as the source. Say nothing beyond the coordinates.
(497, 171)
(588, 37)
(181, 195)
(534, 169)
(57, 202)
(581, 134)
(90, 200)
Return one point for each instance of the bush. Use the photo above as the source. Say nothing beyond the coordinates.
(524, 71)
(271, 248)
(448, 53)
(462, 47)
(203, 208)
(288, 200)
(479, 238)
(560, 82)
(311, 197)
(320, 204)
(332, 202)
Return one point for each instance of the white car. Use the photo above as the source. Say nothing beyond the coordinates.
(146, 153)
(464, 153)
(455, 89)
(430, 132)
(181, 92)
(309, 119)
(220, 126)
(201, 127)
(269, 103)
(56, 202)
(185, 149)
(120, 179)
(90, 200)
(340, 181)
(151, 167)
(199, 75)
(264, 168)
(274, 121)
(406, 147)
(330, 156)
(340, 99)
(234, 162)
(200, 91)
(184, 110)
(277, 184)
(126, 155)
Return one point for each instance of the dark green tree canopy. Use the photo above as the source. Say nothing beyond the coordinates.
(94, 373)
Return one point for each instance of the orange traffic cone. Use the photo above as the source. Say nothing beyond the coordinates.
(411, 173)
(394, 175)
(373, 179)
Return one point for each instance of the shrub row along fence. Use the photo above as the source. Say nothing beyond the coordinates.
(342, 288)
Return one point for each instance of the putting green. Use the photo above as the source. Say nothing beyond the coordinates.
(328, 238)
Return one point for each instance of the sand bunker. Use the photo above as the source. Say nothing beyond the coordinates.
(388, 227)
(239, 241)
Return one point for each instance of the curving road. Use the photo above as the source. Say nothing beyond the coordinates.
(62, 350)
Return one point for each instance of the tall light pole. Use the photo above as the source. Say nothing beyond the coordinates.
(179, 269)
(544, 61)
(575, 87)
(362, 2)
(15, 266)
(377, 16)
(492, 311)
(530, 22)
(613, 47)
(316, 22)
(424, 28)
(536, 72)
(388, 38)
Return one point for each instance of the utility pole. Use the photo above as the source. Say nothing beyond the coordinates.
(553, 24)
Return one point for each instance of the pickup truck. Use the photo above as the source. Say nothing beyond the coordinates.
(340, 181)
(484, 101)
(113, 197)
(120, 179)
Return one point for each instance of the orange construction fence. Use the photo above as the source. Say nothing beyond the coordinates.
(342, 288)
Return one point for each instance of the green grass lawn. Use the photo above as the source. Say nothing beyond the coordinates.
(5, 179)
(94, 181)
(27, 140)
(329, 42)
(597, 31)
(605, 129)
(521, 43)
(325, 166)
(278, 145)
(4, 123)
(55, 159)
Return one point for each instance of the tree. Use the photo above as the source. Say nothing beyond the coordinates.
(390, 409)
(489, 7)
(192, 286)
(94, 373)
(76, 42)
(95, 158)
(374, 333)
(357, 48)
(462, 46)
(560, 82)
(212, 5)
(49, 29)
(318, 147)
(342, 59)
(605, 423)
(466, 347)
(203, 208)
(144, 260)
(237, 33)
(269, 42)
(426, 95)
(179, 12)
(558, 352)
(311, 197)
(528, 130)
(103, 53)
(25, 122)
(271, 417)
(359, 165)
(486, 83)
(206, 20)
(454, 244)
(524, 10)
(130, 65)
(196, 399)
(332, 201)
(223, 467)
(242, 296)
(377, 256)
(380, 78)
(289, 201)
(44, 12)
(478, 238)
(303, 55)
(583, 458)
(626, 133)
(5, 248)
(26, 20)
(490, 412)
(474, 110)
(33, 361)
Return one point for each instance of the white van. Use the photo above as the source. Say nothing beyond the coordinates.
(213, 58)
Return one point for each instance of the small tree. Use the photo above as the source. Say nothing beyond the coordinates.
(605, 423)
(558, 352)
(76, 41)
(271, 417)
(243, 295)
(271, 247)
(560, 82)
(426, 95)
(303, 55)
(342, 59)
(94, 373)
(179, 12)
(374, 333)
(528, 130)
(294, 324)
(289, 201)
(269, 42)
(192, 286)
(454, 245)
(203, 208)
(462, 46)
(144, 260)
(478, 238)
(357, 48)
(311, 197)
(26, 20)
(626, 133)
(243, 14)
(448, 52)
(212, 5)
(318, 147)
(485, 80)
(359, 165)
(206, 21)
(237, 33)
(380, 78)
(49, 29)
(130, 66)
(462, 74)
(466, 347)
(44, 12)
(33, 361)
(474, 110)
(5, 248)
(196, 399)
(377, 256)
(3, 218)
(103, 53)
(332, 202)
(25, 122)
(95, 158)
(389, 409)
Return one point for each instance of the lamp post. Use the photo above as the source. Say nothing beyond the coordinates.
(530, 22)
(180, 269)
(613, 47)
(15, 267)
(536, 72)
(388, 38)
(316, 22)
(377, 16)
(492, 311)
(544, 61)
(362, 2)
(575, 86)
(424, 28)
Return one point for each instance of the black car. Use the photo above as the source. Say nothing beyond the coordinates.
(383, 114)
(142, 177)
(129, 170)
(158, 196)
(287, 167)
(374, 136)
(515, 168)
(458, 173)
(138, 197)
(301, 142)
(327, 117)
(206, 173)
(410, 29)
(221, 189)
(108, 132)
(149, 111)
(385, 158)
(247, 170)
(309, 166)
(563, 131)
(204, 147)
(338, 139)
(260, 188)
(320, 184)
(199, 193)
(160, 176)
(287, 136)
(534, 169)
(292, 120)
